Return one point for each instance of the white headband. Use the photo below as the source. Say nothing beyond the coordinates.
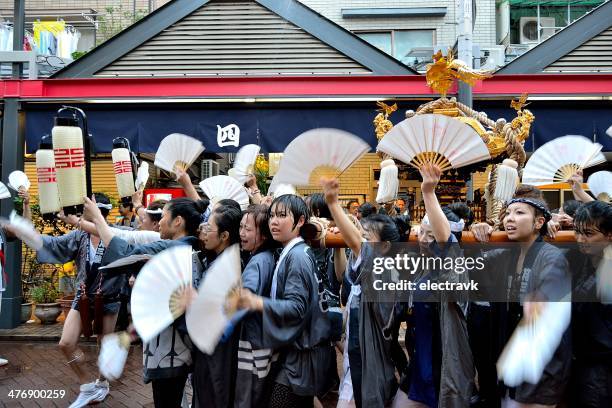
(105, 206)
(454, 226)
(158, 211)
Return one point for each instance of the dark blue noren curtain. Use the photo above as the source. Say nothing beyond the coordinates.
(273, 127)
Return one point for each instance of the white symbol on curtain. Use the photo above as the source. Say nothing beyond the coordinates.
(228, 136)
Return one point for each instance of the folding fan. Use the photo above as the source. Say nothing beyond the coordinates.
(280, 189)
(158, 295)
(4, 192)
(600, 184)
(128, 260)
(18, 179)
(533, 344)
(213, 308)
(177, 151)
(223, 187)
(113, 354)
(319, 152)
(24, 230)
(244, 163)
(388, 184)
(432, 138)
(142, 176)
(559, 159)
(609, 131)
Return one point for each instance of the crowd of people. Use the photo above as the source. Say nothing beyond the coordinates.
(305, 310)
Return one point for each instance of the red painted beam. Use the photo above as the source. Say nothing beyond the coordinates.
(546, 84)
(287, 87)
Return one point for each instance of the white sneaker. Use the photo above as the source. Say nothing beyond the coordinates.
(89, 393)
(3, 362)
(104, 390)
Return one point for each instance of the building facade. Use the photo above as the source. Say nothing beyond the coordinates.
(398, 26)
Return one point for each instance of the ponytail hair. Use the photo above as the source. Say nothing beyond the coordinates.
(318, 207)
(228, 202)
(190, 210)
(228, 219)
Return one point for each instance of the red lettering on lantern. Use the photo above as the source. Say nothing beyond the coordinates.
(69, 158)
(122, 166)
(46, 175)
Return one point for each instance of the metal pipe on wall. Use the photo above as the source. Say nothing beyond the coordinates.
(18, 34)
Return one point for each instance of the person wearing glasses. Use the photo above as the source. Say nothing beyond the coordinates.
(214, 376)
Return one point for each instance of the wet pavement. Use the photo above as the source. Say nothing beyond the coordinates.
(39, 369)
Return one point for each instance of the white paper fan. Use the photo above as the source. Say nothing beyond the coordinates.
(244, 163)
(18, 179)
(24, 230)
(223, 187)
(533, 344)
(177, 151)
(142, 176)
(4, 192)
(280, 189)
(157, 292)
(600, 184)
(434, 138)
(319, 152)
(113, 354)
(215, 304)
(557, 160)
(609, 131)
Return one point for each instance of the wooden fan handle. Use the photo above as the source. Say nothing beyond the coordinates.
(336, 240)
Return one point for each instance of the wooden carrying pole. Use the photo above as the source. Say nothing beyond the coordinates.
(336, 241)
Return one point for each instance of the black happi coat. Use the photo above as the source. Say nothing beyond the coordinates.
(169, 354)
(214, 375)
(591, 384)
(295, 325)
(544, 272)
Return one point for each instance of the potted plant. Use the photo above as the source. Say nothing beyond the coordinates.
(47, 308)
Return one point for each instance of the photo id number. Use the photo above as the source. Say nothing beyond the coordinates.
(36, 394)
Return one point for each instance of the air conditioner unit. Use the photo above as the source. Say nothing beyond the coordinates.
(529, 29)
(208, 168)
(494, 57)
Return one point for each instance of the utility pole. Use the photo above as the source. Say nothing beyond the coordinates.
(18, 33)
(464, 47)
(12, 141)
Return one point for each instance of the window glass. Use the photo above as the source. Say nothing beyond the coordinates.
(405, 41)
(379, 40)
